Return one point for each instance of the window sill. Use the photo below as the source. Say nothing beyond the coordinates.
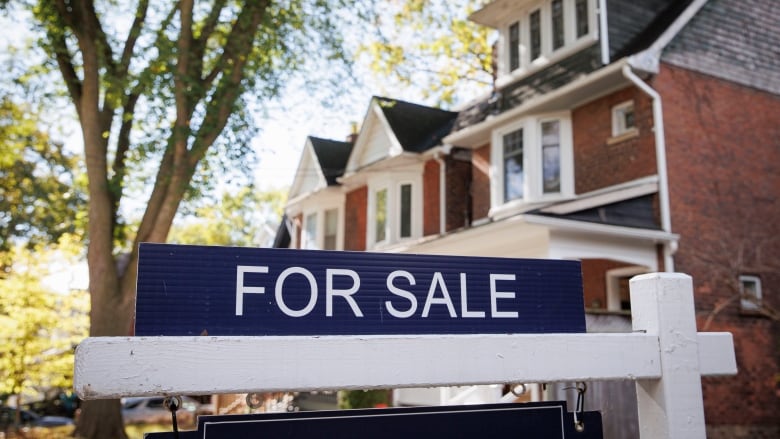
(628, 134)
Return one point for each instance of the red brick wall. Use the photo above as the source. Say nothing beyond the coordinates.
(594, 281)
(723, 153)
(458, 185)
(431, 197)
(480, 183)
(355, 208)
(598, 164)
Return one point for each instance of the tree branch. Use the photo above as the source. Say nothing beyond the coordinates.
(132, 36)
(220, 105)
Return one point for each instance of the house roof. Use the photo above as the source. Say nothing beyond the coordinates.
(332, 156)
(416, 127)
(635, 212)
(736, 40)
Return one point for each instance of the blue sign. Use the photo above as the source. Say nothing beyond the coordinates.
(196, 290)
(545, 420)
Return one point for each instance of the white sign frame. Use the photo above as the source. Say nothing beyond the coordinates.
(664, 355)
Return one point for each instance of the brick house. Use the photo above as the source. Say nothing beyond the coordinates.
(633, 136)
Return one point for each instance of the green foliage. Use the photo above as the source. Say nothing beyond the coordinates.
(238, 220)
(431, 45)
(39, 328)
(41, 192)
(362, 399)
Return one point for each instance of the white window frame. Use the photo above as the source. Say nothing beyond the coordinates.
(619, 127)
(746, 304)
(571, 44)
(613, 284)
(393, 223)
(319, 213)
(533, 190)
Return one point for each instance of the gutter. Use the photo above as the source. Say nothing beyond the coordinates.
(669, 247)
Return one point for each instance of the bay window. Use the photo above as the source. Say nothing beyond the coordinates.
(532, 160)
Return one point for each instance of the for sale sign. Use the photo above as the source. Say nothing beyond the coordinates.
(195, 290)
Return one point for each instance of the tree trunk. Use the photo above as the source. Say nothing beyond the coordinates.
(100, 419)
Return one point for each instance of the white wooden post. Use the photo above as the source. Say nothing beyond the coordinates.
(670, 406)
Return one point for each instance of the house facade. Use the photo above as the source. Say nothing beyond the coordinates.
(632, 136)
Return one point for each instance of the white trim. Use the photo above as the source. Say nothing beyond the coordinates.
(109, 367)
(747, 304)
(603, 32)
(604, 229)
(619, 126)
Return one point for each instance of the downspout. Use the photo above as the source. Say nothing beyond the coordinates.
(669, 247)
(445, 150)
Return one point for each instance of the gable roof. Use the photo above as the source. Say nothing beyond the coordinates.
(416, 127)
(393, 127)
(332, 156)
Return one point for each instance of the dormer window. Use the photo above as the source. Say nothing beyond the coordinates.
(546, 31)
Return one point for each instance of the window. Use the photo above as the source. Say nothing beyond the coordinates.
(405, 211)
(380, 216)
(514, 46)
(623, 120)
(513, 165)
(581, 17)
(532, 159)
(750, 293)
(618, 291)
(535, 28)
(310, 232)
(546, 31)
(551, 157)
(557, 24)
(394, 208)
(331, 229)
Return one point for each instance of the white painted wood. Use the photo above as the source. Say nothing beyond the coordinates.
(670, 406)
(108, 367)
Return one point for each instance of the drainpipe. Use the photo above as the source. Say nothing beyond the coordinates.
(669, 247)
(445, 150)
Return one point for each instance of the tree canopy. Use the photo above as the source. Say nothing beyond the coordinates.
(41, 194)
(39, 328)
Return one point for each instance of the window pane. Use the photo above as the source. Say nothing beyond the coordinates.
(331, 229)
(514, 46)
(557, 24)
(310, 232)
(380, 215)
(536, 34)
(406, 210)
(551, 157)
(581, 8)
(513, 165)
